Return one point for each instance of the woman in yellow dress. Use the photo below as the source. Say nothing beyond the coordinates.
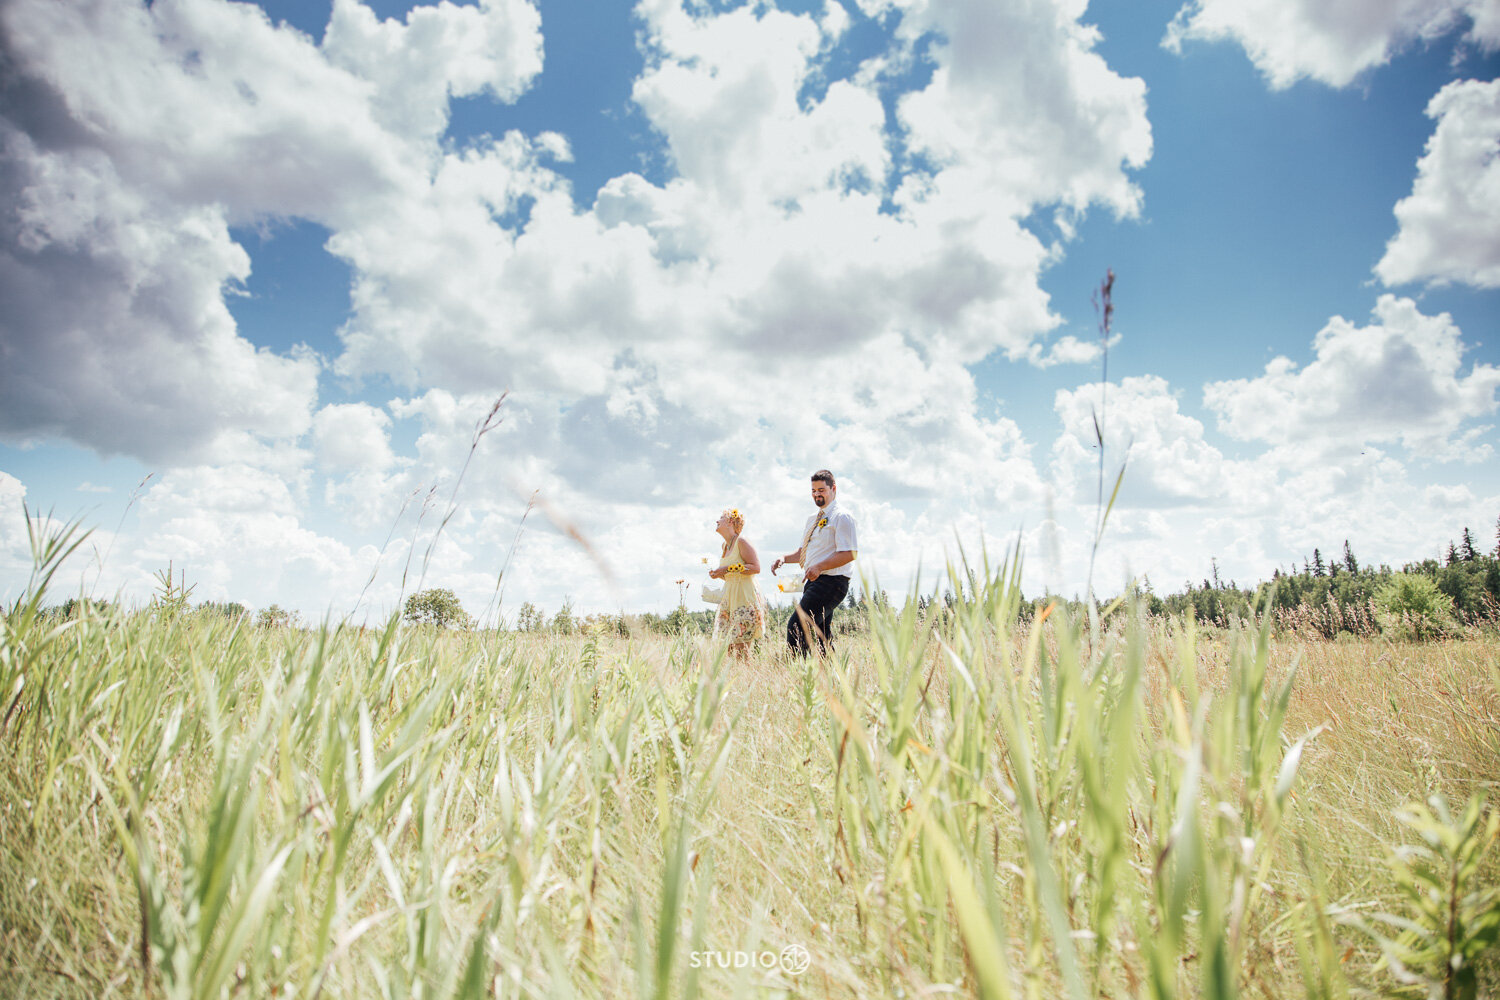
(742, 613)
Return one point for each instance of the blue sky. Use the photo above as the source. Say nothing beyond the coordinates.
(282, 259)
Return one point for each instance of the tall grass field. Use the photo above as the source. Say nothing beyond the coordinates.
(971, 803)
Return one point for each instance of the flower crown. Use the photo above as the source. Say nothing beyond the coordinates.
(735, 517)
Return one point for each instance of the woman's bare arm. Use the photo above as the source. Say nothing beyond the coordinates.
(749, 558)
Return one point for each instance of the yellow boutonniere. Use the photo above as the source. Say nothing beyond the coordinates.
(822, 522)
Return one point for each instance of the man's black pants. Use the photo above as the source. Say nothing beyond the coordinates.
(819, 598)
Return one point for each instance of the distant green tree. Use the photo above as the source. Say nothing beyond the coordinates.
(437, 606)
(1427, 567)
(1154, 605)
(232, 610)
(1466, 549)
(681, 621)
(275, 617)
(74, 607)
(1349, 561)
(563, 623)
(1319, 569)
(1463, 582)
(529, 619)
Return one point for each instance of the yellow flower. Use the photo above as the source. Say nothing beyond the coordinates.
(822, 522)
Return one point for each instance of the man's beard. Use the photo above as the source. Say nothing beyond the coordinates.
(820, 501)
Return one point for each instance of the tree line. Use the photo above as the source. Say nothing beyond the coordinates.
(1424, 599)
(1324, 596)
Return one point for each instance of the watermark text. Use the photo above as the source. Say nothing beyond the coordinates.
(792, 960)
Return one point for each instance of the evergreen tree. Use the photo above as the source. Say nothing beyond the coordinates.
(1467, 550)
(1452, 554)
(1349, 562)
(1318, 568)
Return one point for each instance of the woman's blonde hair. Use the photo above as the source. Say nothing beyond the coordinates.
(737, 522)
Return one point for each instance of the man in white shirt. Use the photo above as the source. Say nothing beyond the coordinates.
(826, 555)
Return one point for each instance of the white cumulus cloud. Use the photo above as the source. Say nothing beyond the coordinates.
(1399, 379)
(1332, 42)
(438, 51)
(352, 436)
(1450, 223)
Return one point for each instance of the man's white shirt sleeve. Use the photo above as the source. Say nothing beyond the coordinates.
(844, 537)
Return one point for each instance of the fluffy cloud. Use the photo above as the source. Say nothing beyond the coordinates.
(237, 533)
(1330, 42)
(1181, 502)
(1450, 223)
(113, 259)
(1020, 103)
(1399, 379)
(15, 550)
(436, 52)
(1184, 500)
(787, 251)
(1168, 460)
(787, 239)
(133, 137)
(115, 332)
(352, 436)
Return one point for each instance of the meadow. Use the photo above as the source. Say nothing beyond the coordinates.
(965, 803)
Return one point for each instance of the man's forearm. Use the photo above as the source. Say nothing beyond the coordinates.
(833, 562)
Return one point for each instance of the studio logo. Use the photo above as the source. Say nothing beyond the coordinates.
(793, 960)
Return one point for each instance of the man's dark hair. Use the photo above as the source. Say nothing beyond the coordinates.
(825, 476)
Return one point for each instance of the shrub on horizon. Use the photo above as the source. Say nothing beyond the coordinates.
(1410, 606)
(274, 617)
